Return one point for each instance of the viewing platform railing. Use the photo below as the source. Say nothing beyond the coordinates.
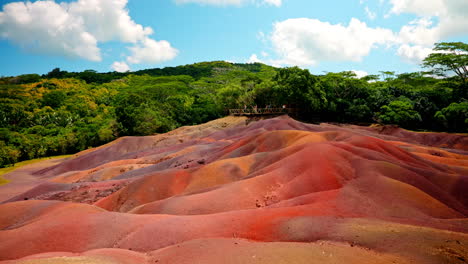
(261, 111)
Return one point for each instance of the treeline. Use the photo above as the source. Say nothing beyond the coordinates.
(62, 112)
(197, 71)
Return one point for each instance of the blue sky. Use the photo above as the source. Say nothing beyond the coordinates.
(367, 36)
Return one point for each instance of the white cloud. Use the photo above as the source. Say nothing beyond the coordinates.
(454, 19)
(419, 32)
(419, 7)
(151, 51)
(120, 66)
(418, 36)
(76, 28)
(273, 2)
(265, 54)
(108, 20)
(450, 13)
(47, 27)
(360, 74)
(414, 54)
(305, 42)
(231, 2)
(253, 58)
(371, 15)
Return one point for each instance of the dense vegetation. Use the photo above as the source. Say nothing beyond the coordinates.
(63, 112)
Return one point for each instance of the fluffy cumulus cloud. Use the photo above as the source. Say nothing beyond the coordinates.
(108, 20)
(253, 59)
(230, 2)
(149, 51)
(419, 32)
(305, 42)
(420, 7)
(47, 27)
(360, 74)
(76, 28)
(120, 66)
(418, 36)
(413, 53)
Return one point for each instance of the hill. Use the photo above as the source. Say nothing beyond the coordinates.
(234, 191)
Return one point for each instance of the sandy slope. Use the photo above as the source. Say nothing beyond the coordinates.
(272, 191)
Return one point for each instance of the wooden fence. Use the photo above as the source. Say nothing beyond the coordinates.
(261, 111)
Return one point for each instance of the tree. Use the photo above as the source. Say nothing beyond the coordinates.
(55, 73)
(449, 56)
(388, 75)
(345, 96)
(454, 117)
(54, 99)
(298, 87)
(8, 154)
(26, 78)
(400, 112)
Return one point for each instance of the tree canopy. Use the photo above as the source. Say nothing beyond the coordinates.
(449, 56)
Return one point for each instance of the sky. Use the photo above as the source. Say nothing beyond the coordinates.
(365, 36)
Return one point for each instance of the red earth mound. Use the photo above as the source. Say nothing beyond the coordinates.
(271, 191)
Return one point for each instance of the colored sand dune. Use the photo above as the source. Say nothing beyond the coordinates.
(233, 191)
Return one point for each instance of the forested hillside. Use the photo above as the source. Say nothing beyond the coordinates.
(63, 112)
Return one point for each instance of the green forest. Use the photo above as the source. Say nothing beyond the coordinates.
(65, 112)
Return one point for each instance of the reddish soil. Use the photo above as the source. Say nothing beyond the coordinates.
(233, 191)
